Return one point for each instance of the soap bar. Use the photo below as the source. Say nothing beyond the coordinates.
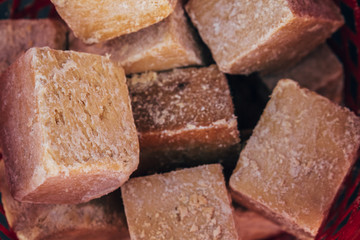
(94, 21)
(66, 127)
(252, 226)
(168, 44)
(249, 36)
(102, 218)
(294, 163)
(17, 36)
(184, 117)
(320, 71)
(185, 204)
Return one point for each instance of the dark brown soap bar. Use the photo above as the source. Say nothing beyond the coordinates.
(184, 117)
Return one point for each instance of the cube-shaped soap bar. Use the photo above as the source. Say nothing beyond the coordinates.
(168, 44)
(94, 21)
(320, 71)
(17, 36)
(101, 218)
(252, 226)
(185, 204)
(66, 127)
(249, 36)
(184, 117)
(299, 154)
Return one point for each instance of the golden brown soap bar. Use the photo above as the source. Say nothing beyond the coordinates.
(252, 226)
(184, 117)
(99, 219)
(299, 154)
(66, 127)
(17, 36)
(168, 44)
(185, 204)
(94, 21)
(320, 71)
(249, 36)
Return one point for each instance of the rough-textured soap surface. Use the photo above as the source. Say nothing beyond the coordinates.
(294, 163)
(66, 127)
(94, 21)
(248, 36)
(184, 117)
(186, 204)
(17, 36)
(168, 44)
(320, 71)
(252, 226)
(100, 219)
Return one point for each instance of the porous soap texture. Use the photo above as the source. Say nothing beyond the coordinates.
(185, 117)
(266, 36)
(98, 21)
(99, 219)
(168, 44)
(185, 204)
(297, 158)
(66, 127)
(320, 71)
(19, 35)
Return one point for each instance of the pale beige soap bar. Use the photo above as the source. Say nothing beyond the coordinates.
(98, 21)
(99, 219)
(17, 36)
(184, 117)
(249, 36)
(191, 203)
(320, 71)
(168, 44)
(296, 159)
(252, 226)
(66, 127)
